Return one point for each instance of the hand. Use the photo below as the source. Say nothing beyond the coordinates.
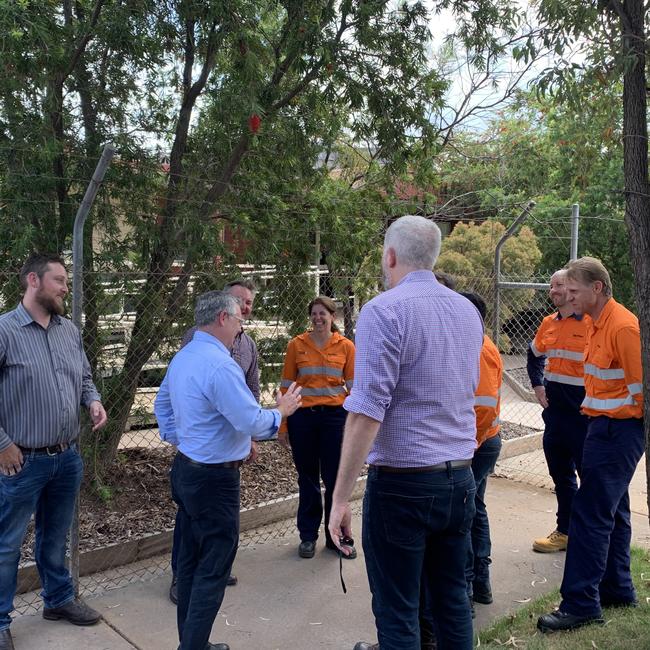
(11, 460)
(290, 401)
(97, 415)
(540, 394)
(283, 439)
(340, 525)
(252, 457)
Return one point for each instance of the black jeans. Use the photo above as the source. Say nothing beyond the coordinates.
(316, 438)
(208, 522)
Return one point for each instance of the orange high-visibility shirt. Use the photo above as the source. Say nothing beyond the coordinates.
(325, 374)
(562, 341)
(613, 374)
(487, 401)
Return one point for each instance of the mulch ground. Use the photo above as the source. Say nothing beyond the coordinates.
(139, 502)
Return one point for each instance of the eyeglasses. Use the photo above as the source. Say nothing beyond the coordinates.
(239, 318)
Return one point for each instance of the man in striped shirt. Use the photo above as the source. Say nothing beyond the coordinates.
(411, 415)
(44, 378)
(560, 389)
(597, 567)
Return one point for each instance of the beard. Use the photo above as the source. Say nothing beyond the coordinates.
(50, 304)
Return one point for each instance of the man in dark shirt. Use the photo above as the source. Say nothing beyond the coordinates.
(44, 378)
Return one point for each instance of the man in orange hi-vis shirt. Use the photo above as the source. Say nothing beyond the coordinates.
(597, 568)
(555, 369)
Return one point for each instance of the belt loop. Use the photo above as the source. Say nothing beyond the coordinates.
(450, 471)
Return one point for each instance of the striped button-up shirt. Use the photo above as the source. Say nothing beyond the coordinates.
(44, 378)
(244, 352)
(416, 372)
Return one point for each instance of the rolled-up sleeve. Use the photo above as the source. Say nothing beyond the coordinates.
(376, 367)
(89, 392)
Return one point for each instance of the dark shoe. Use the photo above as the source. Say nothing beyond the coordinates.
(558, 621)
(75, 612)
(362, 645)
(232, 580)
(6, 642)
(173, 591)
(482, 593)
(307, 549)
(353, 551)
(217, 646)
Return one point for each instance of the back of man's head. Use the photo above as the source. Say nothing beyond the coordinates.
(37, 263)
(415, 240)
(210, 304)
(477, 301)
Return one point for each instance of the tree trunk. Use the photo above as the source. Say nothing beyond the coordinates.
(637, 190)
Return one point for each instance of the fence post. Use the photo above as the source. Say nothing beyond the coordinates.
(77, 309)
(575, 221)
(497, 266)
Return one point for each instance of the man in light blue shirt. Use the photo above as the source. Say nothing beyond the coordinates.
(206, 410)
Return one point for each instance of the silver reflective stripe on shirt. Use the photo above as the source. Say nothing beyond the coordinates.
(564, 379)
(635, 389)
(604, 373)
(560, 353)
(607, 404)
(485, 400)
(320, 392)
(320, 370)
(349, 383)
(285, 383)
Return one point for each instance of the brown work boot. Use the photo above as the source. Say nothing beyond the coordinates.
(555, 542)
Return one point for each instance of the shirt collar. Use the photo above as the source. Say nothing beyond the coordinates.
(25, 318)
(578, 317)
(200, 335)
(605, 314)
(417, 276)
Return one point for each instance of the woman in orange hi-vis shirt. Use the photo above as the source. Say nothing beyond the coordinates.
(321, 361)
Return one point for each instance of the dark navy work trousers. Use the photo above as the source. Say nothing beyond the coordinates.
(597, 567)
(564, 439)
(208, 522)
(316, 436)
(416, 528)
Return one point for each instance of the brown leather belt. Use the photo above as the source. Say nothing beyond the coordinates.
(230, 464)
(440, 467)
(50, 450)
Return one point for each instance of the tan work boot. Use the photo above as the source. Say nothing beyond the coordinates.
(555, 542)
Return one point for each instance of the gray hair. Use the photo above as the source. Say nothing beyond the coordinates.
(415, 240)
(210, 304)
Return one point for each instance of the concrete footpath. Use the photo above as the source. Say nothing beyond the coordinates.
(282, 601)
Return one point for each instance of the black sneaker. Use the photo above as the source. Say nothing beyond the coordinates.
(75, 612)
(307, 549)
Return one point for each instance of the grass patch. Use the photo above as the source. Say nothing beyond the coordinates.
(624, 629)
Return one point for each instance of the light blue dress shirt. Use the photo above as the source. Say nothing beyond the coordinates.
(205, 408)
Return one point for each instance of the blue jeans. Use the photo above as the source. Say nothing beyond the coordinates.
(208, 521)
(478, 558)
(316, 437)
(597, 565)
(416, 527)
(564, 439)
(47, 487)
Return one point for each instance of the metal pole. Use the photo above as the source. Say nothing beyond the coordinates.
(77, 308)
(497, 266)
(575, 222)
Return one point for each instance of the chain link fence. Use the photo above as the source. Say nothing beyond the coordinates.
(133, 325)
